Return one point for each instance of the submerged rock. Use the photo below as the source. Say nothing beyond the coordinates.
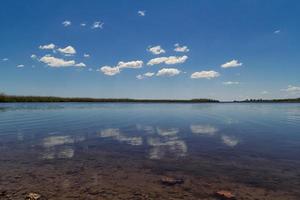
(225, 195)
(33, 196)
(171, 181)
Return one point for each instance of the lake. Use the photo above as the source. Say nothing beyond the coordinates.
(125, 150)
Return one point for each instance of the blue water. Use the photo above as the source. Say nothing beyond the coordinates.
(175, 130)
(63, 150)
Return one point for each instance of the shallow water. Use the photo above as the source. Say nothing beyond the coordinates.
(122, 150)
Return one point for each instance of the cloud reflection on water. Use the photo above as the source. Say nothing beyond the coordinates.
(210, 130)
(116, 134)
(203, 129)
(59, 146)
(57, 140)
(161, 142)
(230, 140)
(161, 147)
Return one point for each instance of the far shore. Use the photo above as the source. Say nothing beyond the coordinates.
(48, 99)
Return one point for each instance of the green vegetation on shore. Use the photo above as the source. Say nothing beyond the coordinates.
(296, 100)
(13, 99)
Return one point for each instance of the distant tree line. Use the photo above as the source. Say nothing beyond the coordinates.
(295, 100)
(11, 98)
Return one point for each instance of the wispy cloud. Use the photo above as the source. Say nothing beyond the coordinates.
(145, 75)
(20, 66)
(232, 63)
(205, 74)
(4, 59)
(168, 60)
(277, 32)
(142, 13)
(156, 50)
(83, 24)
(86, 55)
(33, 56)
(66, 23)
(292, 89)
(168, 72)
(231, 83)
(179, 48)
(47, 46)
(97, 24)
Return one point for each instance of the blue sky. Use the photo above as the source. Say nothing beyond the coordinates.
(151, 49)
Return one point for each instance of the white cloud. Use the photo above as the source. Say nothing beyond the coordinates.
(33, 56)
(80, 65)
(20, 66)
(156, 50)
(146, 75)
(149, 74)
(131, 64)
(58, 62)
(67, 50)
(47, 46)
(140, 77)
(231, 83)
(167, 60)
(66, 23)
(205, 74)
(179, 48)
(168, 72)
(97, 24)
(83, 24)
(232, 63)
(110, 71)
(4, 59)
(142, 13)
(203, 129)
(86, 55)
(264, 92)
(277, 31)
(292, 89)
(230, 141)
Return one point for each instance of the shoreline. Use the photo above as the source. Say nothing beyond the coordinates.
(53, 99)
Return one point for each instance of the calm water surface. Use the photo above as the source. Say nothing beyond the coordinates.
(121, 150)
